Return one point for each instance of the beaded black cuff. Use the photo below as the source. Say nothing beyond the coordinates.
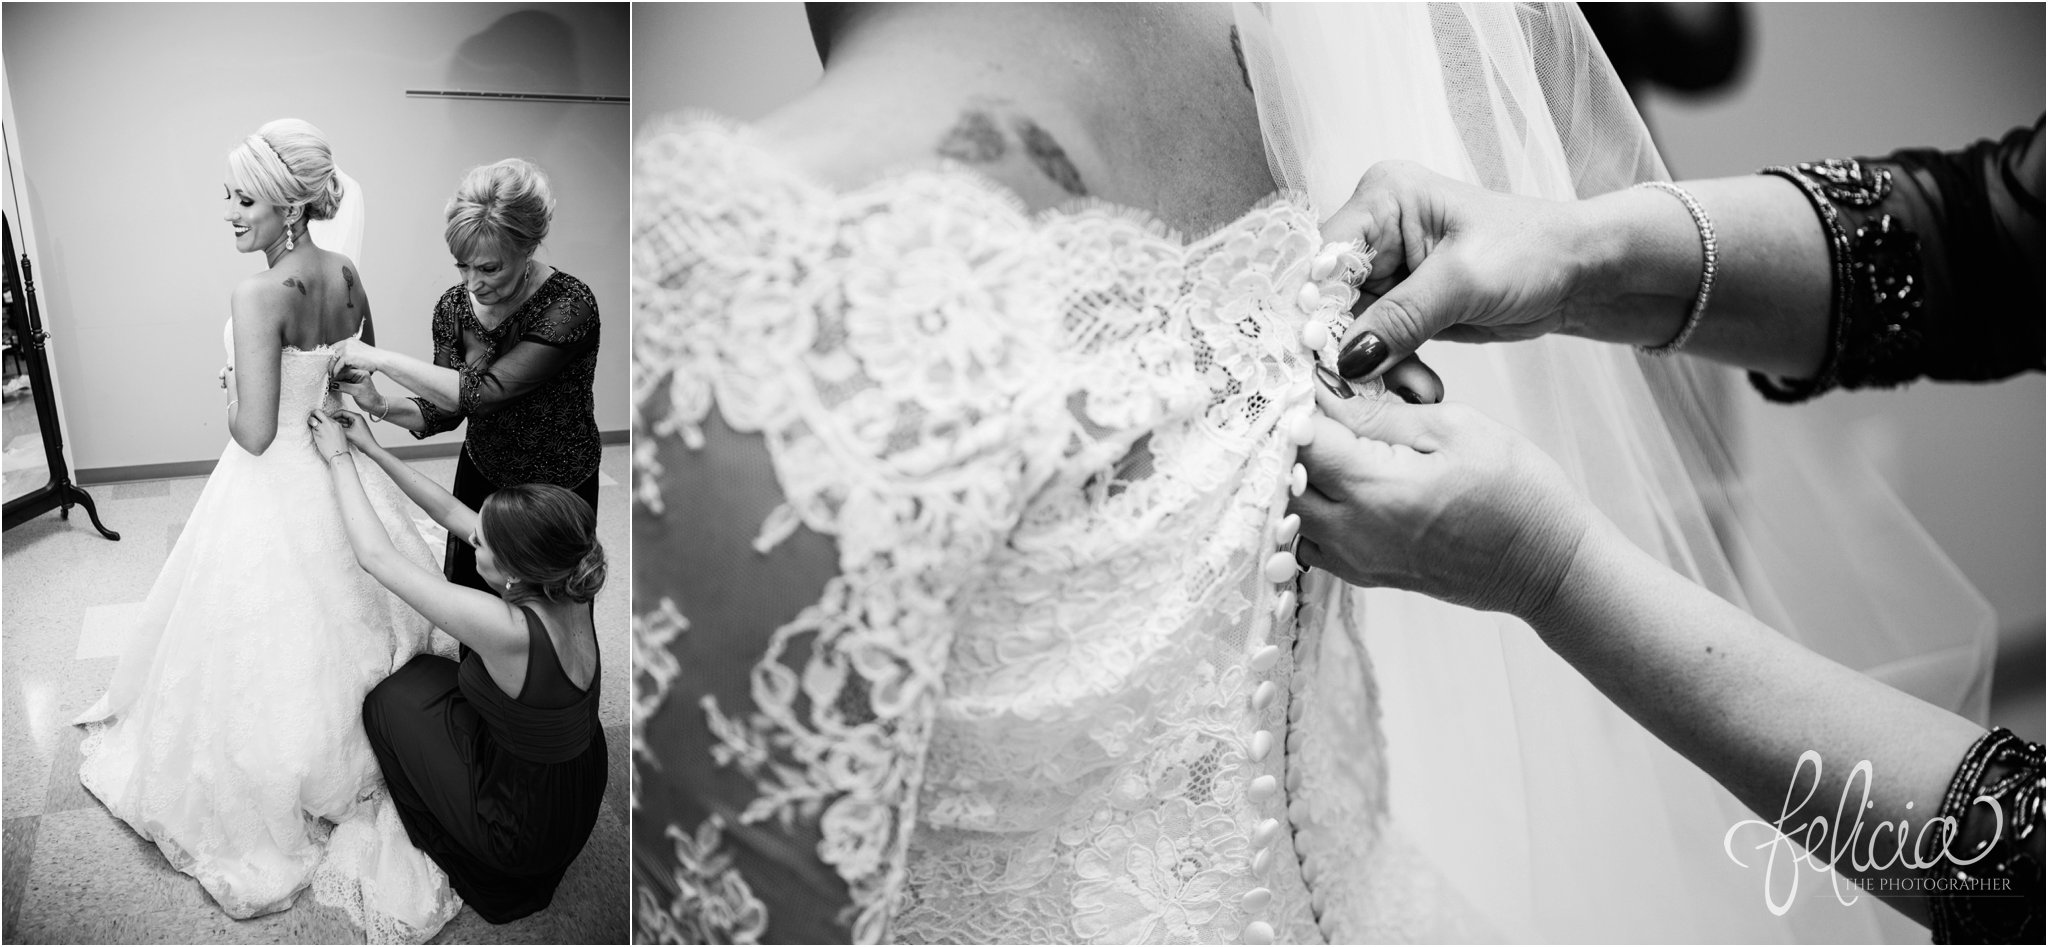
(1986, 888)
(1873, 319)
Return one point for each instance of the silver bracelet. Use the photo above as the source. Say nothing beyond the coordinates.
(386, 414)
(1709, 260)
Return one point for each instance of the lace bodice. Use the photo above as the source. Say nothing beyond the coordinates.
(301, 388)
(1060, 688)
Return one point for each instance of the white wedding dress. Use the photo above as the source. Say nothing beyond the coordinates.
(231, 735)
(1059, 690)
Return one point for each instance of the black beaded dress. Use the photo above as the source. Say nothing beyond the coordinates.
(501, 792)
(1938, 265)
(526, 392)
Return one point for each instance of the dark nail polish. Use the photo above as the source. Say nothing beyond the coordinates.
(1361, 355)
(1408, 396)
(1337, 386)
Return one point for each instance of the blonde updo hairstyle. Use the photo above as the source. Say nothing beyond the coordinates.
(287, 164)
(546, 536)
(504, 206)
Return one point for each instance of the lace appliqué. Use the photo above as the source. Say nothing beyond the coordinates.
(1051, 450)
(713, 904)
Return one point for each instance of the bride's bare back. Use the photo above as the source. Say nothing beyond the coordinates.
(1142, 105)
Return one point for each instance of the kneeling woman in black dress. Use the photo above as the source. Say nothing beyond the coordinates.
(496, 763)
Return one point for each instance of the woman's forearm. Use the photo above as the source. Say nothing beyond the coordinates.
(1769, 307)
(1745, 703)
(422, 490)
(366, 536)
(403, 413)
(442, 386)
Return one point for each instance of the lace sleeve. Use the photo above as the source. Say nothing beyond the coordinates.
(447, 354)
(562, 331)
(1937, 265)
(829, 444)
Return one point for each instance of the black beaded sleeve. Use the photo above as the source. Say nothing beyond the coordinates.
(1937, 262)
(1984, 884)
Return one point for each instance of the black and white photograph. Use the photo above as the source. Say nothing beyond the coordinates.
(316, 623)
(1348, 473)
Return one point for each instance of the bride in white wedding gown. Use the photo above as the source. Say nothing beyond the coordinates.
(231, 734)
(963, 606)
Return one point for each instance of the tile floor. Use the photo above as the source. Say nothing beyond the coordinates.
(75, 874)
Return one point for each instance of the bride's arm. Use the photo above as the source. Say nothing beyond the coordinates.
(252, 415)
(477, 619)
(454, 516)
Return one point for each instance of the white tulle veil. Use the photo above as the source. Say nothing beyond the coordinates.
(1551, 813)
(343, 232)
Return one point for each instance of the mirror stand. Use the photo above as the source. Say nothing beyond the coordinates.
(25, 346)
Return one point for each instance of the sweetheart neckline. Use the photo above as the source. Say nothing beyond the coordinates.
(735, 133)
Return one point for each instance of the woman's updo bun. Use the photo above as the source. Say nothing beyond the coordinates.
(506, 205)
(288, 163)
(547, 537)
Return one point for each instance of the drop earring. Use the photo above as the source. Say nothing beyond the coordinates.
(288, 244)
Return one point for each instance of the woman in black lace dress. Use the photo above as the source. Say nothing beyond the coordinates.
(515, 353)
(1836, 274)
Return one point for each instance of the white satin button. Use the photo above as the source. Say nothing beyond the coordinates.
(1262, 788)
(1316, 333)
(1297, 480)
(1266, 658)
(1261, 860)
(1281, 567)
(1297, 809)
(1290, 527)
(1256, 900)
(1258, 932)
(1262, 745)
(1263, 835)
(1293, 783)
(1283, 609)
(1302, 430)
(1310, 297)
(1324, 264)
(1262, 696)
(1295, 738)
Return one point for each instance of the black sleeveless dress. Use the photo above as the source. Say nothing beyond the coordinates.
(500, 792)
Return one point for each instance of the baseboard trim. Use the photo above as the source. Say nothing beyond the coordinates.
(93, 476)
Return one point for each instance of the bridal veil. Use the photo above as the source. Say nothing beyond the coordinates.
(1548, 811)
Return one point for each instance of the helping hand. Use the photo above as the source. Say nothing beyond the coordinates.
(1437, 499)
(365, 394)
(1455, 262)
(354, 361)
(355, 427)
(330, 437)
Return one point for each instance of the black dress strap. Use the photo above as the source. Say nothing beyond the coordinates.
(536, 733)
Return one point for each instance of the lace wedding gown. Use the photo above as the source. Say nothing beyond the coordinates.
(231, 735)
(1061, 689)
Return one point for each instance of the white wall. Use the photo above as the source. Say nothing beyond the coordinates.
(740, 60)
(126, 113)
(1840, 80)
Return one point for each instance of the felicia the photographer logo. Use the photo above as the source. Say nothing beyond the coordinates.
(1869, 847)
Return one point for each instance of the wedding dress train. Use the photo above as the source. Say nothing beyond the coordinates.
(231, 735)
